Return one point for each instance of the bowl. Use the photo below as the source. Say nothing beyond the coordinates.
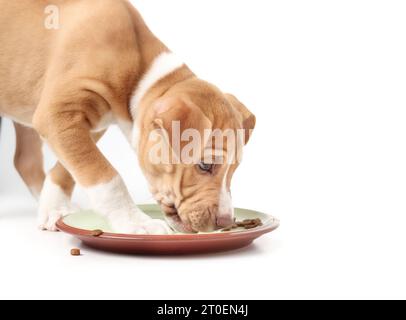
(81, 225)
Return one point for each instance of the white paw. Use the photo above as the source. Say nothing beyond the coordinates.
(113, 201)
(48, 217)
(156, 227)
(138, 223)
(53, 205)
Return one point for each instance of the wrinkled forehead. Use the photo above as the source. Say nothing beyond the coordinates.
(225, 145)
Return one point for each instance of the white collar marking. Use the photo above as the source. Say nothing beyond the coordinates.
(162, 66)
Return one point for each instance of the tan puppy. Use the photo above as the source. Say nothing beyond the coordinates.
(101, 65)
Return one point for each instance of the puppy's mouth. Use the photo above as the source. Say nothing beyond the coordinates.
(173, 219)
(175, 222)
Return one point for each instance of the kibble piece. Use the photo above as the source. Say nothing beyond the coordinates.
(251, 226)
(246, 224)
(75, 252)
(97, 233)
(254, 224)
(259, 222)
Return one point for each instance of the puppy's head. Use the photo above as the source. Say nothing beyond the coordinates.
(189, 151)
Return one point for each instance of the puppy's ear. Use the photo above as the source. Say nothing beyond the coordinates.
(248, 119)
(175, 113)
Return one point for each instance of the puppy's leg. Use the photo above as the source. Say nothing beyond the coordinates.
(55, 200)
(66, 126)
(28, 158)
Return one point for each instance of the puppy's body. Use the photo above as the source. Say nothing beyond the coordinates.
(101, 66)
(37, 63)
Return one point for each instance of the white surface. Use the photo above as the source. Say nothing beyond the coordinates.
(326, 80)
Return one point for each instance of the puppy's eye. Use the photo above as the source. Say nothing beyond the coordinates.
(206, 167)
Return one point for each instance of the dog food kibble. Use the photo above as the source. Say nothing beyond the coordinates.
(97, 233)
(75, 252)
(246, 224)
(251, 226)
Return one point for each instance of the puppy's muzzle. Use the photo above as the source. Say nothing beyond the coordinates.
(194, 221)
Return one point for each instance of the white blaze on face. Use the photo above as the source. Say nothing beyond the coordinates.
(226, 210)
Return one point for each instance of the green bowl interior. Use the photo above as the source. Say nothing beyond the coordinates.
(90, 220)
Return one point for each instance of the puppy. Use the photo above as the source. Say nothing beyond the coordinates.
(66, 78)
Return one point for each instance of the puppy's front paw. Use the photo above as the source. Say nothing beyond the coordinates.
(48, 217)
(113, 201)
(53, 205)
(138, 222)
(156, 227)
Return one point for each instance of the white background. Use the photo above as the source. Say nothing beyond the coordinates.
(326, 80)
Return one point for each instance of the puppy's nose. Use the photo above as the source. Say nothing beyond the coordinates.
(225, 221)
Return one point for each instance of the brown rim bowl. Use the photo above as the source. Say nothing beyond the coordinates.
(176, 244)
